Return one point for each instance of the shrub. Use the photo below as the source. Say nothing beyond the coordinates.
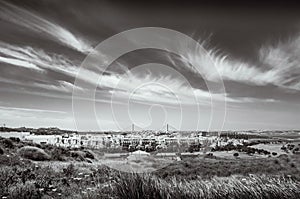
(14, 139)
(70, 170)
(283, 148)
(33, 153)
(59, 154)
(1, 151)
(89, 154)
(24, 191)
(276, 161)
(274, 153)
(293, 165)
(7, 143)
(209, 155)
(78, 155)
(7, 177)
(236, 154)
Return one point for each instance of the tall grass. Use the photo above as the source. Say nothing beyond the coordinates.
(35, 182)
(134, 186)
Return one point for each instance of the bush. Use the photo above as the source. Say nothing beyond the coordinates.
(7, 143)
(33, 153)
(14, 139)
(24, 191)
(70, 170)
(78, 155)
(274, 153)
(283, 148)
(209, 155)
(1, 151)
(81, 155)
(59, 154)
(293, 165)
(276, 161)
(89, 154)
(236, 154)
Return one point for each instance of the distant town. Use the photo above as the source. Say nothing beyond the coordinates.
(149, 141)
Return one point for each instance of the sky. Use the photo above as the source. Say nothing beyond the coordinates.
(243, 75)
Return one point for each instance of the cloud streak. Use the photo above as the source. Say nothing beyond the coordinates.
(21, 63)
(283, 61)
(31, 110)
(277, 65)
(121, 86)
(40, 61)
(43, 26)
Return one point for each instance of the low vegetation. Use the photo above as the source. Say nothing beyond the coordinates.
(33, 181)
(133, 186)
(242, 148)
(37, 152)
(192, 168)
(71, 175)
(33, 153)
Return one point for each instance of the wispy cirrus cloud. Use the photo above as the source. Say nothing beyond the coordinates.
(37, 57)
(62, 86)
(265, 71)
(120, 85)
(43, 26)
(277, 65)
(21, 63)
(283, 60)
(42, 62)
(30, 110)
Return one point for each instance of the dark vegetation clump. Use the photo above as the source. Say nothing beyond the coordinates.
(33, 153)
(43, 152)
(1, 151)
(7, 143)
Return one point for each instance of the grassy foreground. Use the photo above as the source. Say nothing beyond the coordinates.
(33, 172)
(147, 186)
(31, 181)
